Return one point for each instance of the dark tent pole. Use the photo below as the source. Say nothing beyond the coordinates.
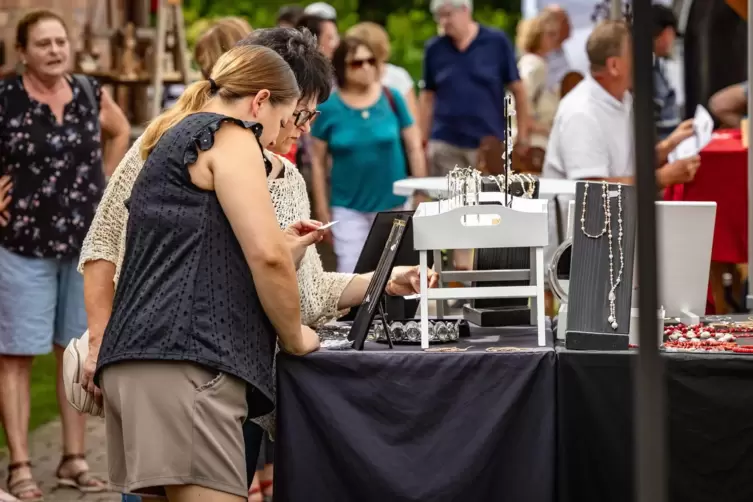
(649, 383)
(750, 152)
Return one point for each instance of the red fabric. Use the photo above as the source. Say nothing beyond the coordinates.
(722, 178)
(291, 154)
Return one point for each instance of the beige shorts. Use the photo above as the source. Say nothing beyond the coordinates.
(444, 157)
(174, 423)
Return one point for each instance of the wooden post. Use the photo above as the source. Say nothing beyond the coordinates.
(168, 10)
(159, 55)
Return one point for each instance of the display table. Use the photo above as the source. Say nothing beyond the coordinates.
(404, 425)
(437, 187)
(710, 412)
(722, 178)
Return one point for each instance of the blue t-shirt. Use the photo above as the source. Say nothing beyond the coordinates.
(367, 151)
(469, 86)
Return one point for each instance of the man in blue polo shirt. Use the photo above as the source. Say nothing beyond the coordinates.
(466, 73)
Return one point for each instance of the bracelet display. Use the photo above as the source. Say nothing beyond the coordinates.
(403, 332)
(410, 332)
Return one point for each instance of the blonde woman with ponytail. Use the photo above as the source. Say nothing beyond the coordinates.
(206, 291)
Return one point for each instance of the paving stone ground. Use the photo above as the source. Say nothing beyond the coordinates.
(45, 454)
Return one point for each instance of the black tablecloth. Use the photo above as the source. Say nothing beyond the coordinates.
(710, 427)
(406, 425)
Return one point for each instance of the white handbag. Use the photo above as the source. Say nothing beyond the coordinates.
(73, 368)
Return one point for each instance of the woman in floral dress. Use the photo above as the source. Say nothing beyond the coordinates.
(51, 128)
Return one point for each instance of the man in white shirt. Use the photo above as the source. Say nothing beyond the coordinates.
(592, 134)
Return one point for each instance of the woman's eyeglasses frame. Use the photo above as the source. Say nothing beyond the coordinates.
(300, 117)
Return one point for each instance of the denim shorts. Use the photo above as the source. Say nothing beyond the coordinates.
(41, 303)
(131, 498)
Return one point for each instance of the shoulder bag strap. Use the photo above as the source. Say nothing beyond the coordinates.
(393, 106)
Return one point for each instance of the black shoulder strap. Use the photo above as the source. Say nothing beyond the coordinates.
(88, 89)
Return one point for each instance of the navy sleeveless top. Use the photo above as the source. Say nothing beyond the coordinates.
(185, 291)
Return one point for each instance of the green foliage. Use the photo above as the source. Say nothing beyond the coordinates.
(44, 403)
(409, 24)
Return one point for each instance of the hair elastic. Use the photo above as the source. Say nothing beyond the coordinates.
(213, 87)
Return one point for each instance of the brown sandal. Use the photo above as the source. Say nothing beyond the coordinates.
(24, 489)
(82, 481)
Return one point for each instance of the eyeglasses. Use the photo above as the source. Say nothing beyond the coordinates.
(302, 116)
(359, 63)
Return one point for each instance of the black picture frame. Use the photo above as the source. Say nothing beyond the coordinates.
(373, 299)
(395, 307)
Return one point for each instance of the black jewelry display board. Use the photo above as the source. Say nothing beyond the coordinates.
(372, 301)
(589, 322)
(501, 311)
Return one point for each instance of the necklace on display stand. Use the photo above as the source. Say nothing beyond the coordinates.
(614, 280)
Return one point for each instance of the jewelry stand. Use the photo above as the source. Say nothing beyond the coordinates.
(372, 301)
(511, 223)
(503, 311)
(601, 273)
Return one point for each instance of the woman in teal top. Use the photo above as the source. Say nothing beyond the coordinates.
(372, 141)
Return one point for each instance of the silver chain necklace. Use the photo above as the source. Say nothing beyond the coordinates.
(614, 281)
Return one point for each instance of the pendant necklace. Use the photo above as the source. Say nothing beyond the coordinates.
(365, 114)
(615, 281)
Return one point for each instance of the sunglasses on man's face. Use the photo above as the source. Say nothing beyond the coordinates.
(300, 117)
(359, 63)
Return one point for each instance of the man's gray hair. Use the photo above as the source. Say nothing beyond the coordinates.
(438, 4)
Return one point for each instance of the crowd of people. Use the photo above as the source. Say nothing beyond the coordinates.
(184, 302)
(158, 227)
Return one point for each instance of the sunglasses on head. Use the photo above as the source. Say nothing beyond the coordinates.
(302, 116)
(359, 63)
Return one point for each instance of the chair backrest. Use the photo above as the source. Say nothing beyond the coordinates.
(570, 80)
(531, 163)
(489, 158)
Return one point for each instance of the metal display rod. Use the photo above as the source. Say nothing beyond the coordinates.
(649, 383)
(750, 152)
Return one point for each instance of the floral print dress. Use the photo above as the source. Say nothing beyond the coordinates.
(56, 170)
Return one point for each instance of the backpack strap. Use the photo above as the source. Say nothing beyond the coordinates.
(88, 89)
